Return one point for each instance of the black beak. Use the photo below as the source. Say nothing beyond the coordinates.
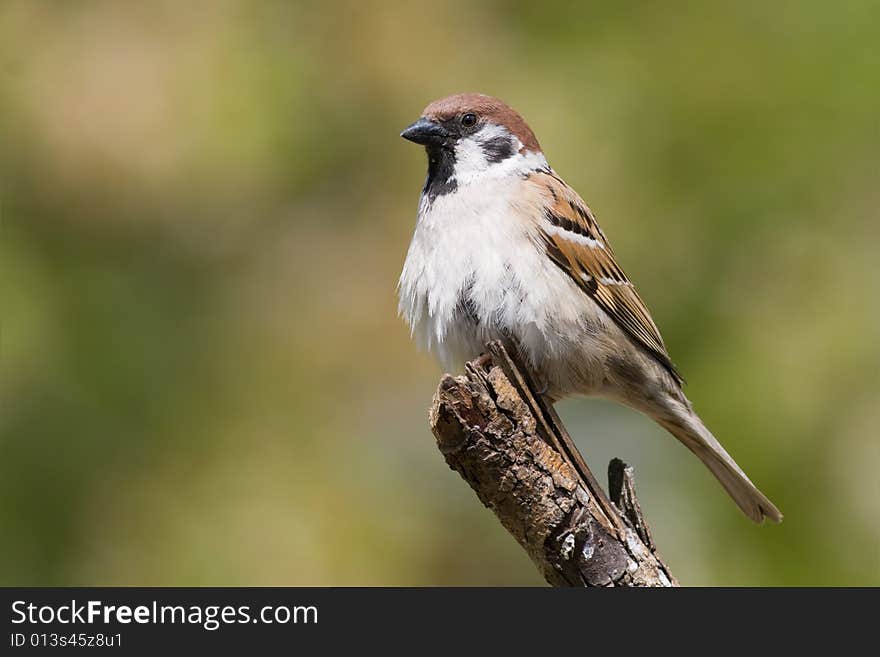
(426, 133)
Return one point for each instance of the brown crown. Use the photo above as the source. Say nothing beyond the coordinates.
(485, 107)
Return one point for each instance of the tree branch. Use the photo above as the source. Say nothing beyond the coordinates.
(505, 441)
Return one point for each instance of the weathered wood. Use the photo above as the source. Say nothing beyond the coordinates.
(507, 443)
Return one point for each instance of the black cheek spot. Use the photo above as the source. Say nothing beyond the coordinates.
(498, 149)
(441, 166)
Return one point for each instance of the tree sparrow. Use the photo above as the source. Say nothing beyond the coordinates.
(505, 250)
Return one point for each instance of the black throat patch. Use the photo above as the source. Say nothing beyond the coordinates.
(441, 166)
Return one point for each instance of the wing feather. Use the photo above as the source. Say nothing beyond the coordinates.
(578, 246)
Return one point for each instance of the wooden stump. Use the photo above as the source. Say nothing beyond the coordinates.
(509, 445)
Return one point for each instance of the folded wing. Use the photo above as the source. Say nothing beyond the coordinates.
(578, 246)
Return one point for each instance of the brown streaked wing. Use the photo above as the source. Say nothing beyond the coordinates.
(578, 246)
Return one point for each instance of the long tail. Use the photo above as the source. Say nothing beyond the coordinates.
(691, 431)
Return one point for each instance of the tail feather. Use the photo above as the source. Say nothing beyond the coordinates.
(694, 434)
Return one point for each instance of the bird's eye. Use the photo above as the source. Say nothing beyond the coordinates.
(469, 120)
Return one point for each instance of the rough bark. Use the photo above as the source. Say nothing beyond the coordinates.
(506, 443)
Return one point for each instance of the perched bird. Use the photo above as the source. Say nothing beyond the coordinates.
(505, 250)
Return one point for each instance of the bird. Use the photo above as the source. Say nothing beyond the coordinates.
(504, 249)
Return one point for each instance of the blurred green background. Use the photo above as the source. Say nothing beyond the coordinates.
(205, 208)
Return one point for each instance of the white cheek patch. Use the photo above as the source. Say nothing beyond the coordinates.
(473, 163)
(470, 160)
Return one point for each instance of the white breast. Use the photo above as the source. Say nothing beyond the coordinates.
(475, 271)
